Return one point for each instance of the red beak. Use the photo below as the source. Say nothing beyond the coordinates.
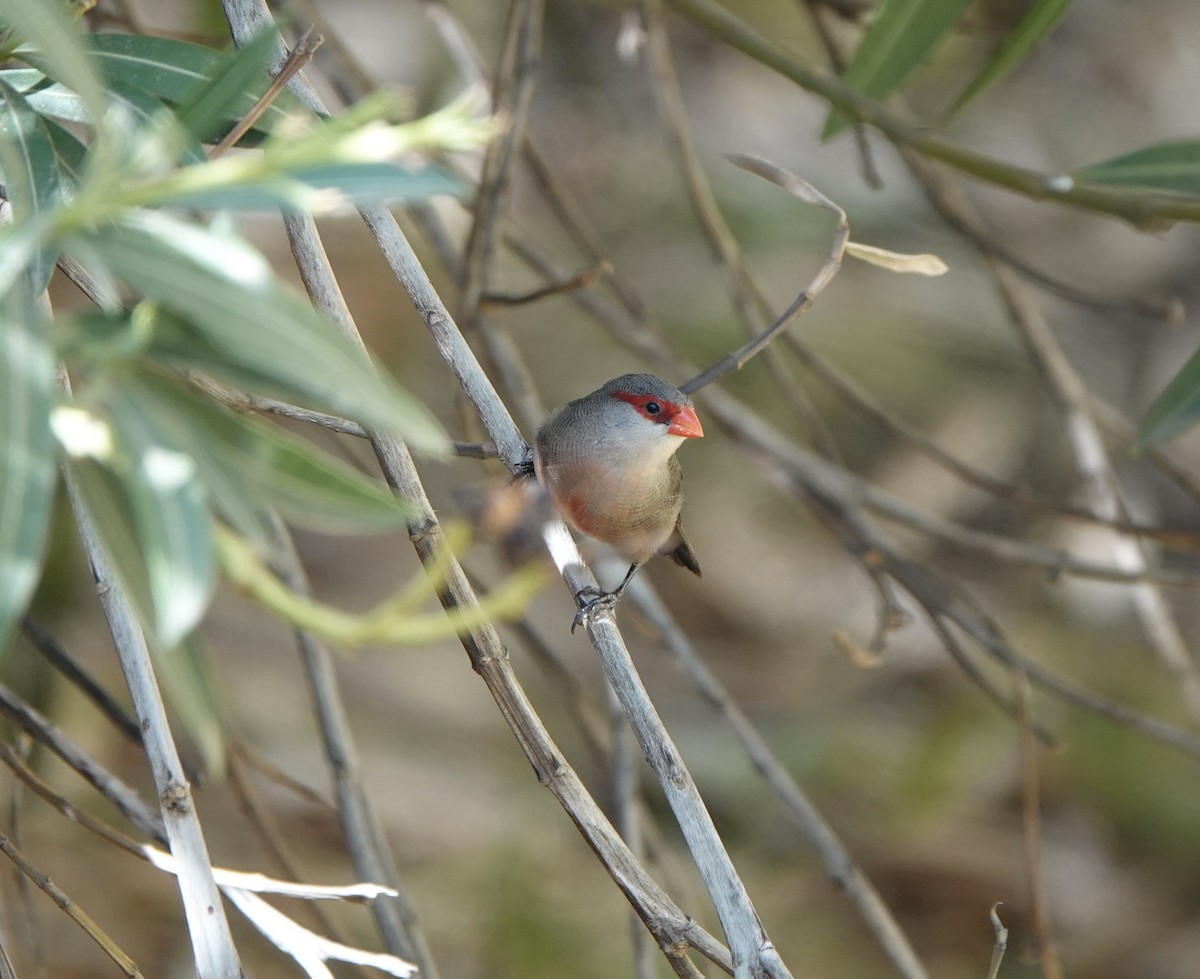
(685, 424)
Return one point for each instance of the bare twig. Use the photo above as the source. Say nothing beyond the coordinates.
(512, 95)
(297, 58)
(806, 192)
(749, 300)
(839, 865)
(212, 943)
(62, 661)
(126, 799)
(582, 280)
(71, 909)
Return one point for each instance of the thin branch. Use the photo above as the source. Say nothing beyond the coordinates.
(396, 918)
(71, 909)
(626, 797)
(749, 300)
(839, 865)
(512, 95)
(126, 799)
(300, 55)
(66, 664)
(1075, 404)
(806, 192)
(582, 280)
(212, 943)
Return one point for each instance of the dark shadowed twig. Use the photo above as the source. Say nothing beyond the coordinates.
(66, 664)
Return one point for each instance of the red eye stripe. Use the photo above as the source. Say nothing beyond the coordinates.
(640, 401)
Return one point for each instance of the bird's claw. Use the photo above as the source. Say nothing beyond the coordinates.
(600, 601)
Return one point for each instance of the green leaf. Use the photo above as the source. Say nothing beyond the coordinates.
(48, 97)
(900, 37)
(1166, 166)
(108, 504)
(1176, 409)
(31, 172)
(347, 183)
(206, 110)
(187, 684)
(250, 325)
(253, 460)
(173, 526)
(46, 26)
(1034, 26)
(174, 70)
(26, 458)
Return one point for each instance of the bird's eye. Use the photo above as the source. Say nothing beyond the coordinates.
(653, 407)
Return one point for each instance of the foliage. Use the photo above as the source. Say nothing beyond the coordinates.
(102, 150)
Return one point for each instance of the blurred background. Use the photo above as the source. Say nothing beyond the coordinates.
(916, 770)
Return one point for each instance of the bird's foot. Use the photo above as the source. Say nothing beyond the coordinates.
(593, 600)
(523, 470)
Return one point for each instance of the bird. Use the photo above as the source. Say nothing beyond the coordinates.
(607, 462)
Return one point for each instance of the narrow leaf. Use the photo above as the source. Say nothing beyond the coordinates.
(1166, 166)
(325, 187)
(48, 97)
(260, 461)
(173, 525)
(107, 503)
(224, 292)
(48, 29)
(1034, 26)
(1176, 409)
(31, 173)
(206, 110)
(924, 264)
(173, 70)
(26, 459)
(187, 684)
(900, 37)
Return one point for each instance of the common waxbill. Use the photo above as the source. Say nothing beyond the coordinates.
(608, 463)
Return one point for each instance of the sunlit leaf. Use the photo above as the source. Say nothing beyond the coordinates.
(26, 458)
(48, 29)
(249, 324)
(900, 37)
(31, 172)
(174, 530)
(1166, 166)
(338, 184)
(1034, 26)
(1176, 409)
